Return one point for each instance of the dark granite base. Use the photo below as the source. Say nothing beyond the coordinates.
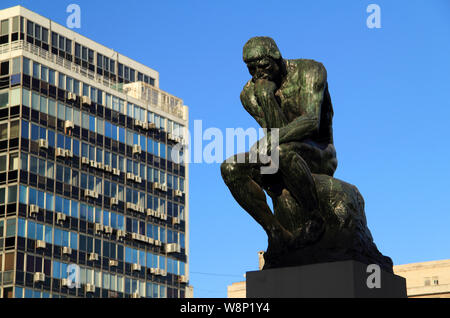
(346, 279)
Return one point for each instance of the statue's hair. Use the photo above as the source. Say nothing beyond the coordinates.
(260, 46)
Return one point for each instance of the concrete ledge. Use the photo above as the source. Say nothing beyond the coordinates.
(345, 279)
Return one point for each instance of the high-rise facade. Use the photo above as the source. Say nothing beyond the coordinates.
(93, 202)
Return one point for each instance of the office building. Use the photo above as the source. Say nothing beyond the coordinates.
(93, 201)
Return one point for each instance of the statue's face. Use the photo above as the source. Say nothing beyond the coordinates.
(264, 68)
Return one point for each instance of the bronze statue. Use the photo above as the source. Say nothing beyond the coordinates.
(316, 218)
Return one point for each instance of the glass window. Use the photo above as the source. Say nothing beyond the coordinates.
(26, 66)
(51, 107)
(12, 194)
(92, 123)
(43, 104)
(51, 77)
(4, 97)
(26, 97)
(15, 97)
(14, 129)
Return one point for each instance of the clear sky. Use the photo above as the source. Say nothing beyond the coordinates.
(389, 86)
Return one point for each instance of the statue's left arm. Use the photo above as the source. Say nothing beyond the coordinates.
(312, 84)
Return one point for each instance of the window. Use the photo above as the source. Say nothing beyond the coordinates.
(435, 280)
(14, 129)
(3, 131)
(4, 98)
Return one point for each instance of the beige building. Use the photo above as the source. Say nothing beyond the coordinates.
(423, 280)
(426, 279)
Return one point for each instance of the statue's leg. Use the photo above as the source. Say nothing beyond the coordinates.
(299, 182)
(244, 182)
(297, 177)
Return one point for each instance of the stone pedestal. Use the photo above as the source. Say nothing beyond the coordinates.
(344, 279)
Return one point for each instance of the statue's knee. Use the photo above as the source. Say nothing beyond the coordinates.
(283, 153)
(228, 170)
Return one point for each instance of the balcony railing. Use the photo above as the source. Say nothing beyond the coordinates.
(152, 96)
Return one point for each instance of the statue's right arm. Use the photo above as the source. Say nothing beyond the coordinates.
(250, 104)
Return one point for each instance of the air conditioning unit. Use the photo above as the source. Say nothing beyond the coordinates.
(114, 201)
(138, 179)
(153, 270)
(151, 126)
(90, 193)
(93, 163)
(130, 176)
(60, 152)
(136, 267)
(60, 217)
(134, 236)
(39, 277)
(113, 262)
(108, 230)
(161, 272)
(183, 279)
(65, 282)
(163, 216)
(158, 243)
(121, 233)
(43, 143)
(138, 123)
(156, 186)
(135, 295)
(130, 206)
(90, 288)
(34, 209)
(145, 125)
(136, 149)
(116, 172)
(85, 160)
(175, 220)
(150, 240)
(178, 193)
(67, 250)
(172, 137)
(150, 212)
(68, 124)
(98, 228)
(156, 213)
(86, 100)
(40, 244)
(100, 165)
(140, 209)
(71, 96)
(68, 153)
(93, 256)
(172, 248)
(108, 168)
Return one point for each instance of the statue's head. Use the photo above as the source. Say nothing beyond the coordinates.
(263, 58)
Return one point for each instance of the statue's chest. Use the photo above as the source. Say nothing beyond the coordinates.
(290, 103)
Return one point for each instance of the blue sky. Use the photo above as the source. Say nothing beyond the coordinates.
(389, 88)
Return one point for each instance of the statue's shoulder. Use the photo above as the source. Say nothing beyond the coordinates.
(300, 67)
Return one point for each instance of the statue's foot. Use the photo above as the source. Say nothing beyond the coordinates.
(279, 243)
